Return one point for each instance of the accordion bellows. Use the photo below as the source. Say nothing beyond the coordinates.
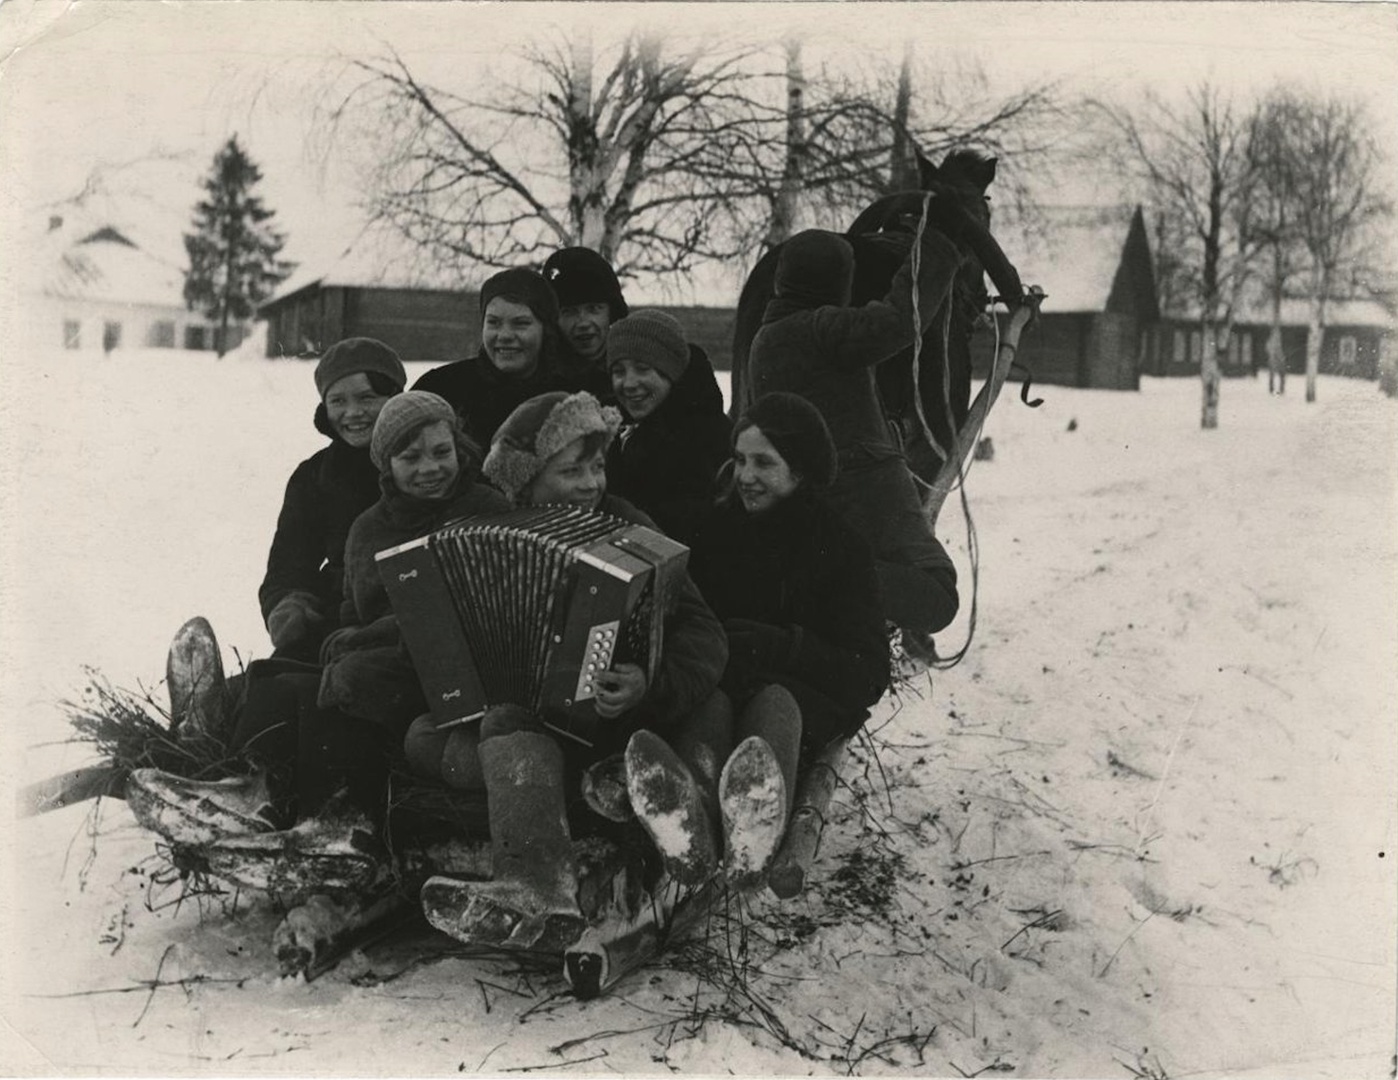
(528, 607)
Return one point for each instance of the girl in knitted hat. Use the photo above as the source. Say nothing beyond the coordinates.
(300, 594)
(675, 439)
(428, 475)
(797, 593)
(517, 358)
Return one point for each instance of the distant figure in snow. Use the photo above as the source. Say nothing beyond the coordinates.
(589, 303)
(517, 360)
(301, 591)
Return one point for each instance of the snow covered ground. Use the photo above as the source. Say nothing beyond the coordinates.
(1146, 828)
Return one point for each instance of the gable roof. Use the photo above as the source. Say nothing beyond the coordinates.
(369, 262)
(1073, 252)
(106, 266)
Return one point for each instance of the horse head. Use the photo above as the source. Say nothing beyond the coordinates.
(958, 207)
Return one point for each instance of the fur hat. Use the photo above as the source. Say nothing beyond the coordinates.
(799, 433)
(529, 288)
(652, 337)
(357, 355)
(815, 268)
(401, 415)
(578, 275)
(540, 428)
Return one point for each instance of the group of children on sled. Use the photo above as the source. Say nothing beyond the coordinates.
(778, 643)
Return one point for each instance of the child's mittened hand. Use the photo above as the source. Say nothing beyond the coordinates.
(619, 690)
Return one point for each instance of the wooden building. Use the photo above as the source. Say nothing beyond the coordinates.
(1100, 312)
(1356, 337)
(363, 295)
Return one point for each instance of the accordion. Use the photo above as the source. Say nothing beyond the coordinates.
(528, 607)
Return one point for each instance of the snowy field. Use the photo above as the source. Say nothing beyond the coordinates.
(1146, 829)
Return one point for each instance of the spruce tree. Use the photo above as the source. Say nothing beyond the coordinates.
(233, 263)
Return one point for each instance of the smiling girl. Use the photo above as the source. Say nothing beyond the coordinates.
(300, 594)
(797, 592)
(667, 457)
(517, 359)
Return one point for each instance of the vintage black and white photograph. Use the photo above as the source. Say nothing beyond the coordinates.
(815, 539)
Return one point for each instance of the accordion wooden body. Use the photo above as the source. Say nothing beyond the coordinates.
(528, 607)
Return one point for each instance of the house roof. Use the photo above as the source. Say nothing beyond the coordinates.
(1296, 311)
(105, 265)
(369, 262)
(1072, 252)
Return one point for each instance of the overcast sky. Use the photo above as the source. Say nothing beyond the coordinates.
(112, 82)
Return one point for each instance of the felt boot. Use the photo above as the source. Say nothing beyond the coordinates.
(194, 678)
(752, 797)
(604, 789)
(198, 812)
(533, 895)
(670, 806)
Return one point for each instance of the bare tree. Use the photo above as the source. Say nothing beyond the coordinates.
(1271, 164)
(1192, 160)
(610, 148)
(1325, 164)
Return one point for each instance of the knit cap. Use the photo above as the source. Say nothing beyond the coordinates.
(357, 355)
(578, 275)
(799, 433)
(527, 287)
(540, 428)
(815, 268)
(401, 415)
(651, 337)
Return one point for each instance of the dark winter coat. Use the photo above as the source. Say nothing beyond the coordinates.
(483, 396)
(667, 464)
(325, 494)
(694, 654)
(368, 672)
(828, 354)
(579, 374)
(797, 592)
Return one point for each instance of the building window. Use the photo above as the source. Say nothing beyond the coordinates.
(1349, 351)
(1232, 341)
(1246, 350)
(1196, 346)
(162, 334)
(194, 337)
(72, 334)
(1181, 352)
(111, 336)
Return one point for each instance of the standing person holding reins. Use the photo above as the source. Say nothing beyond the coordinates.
(814, 343)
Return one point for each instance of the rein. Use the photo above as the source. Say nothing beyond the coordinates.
(972, 543)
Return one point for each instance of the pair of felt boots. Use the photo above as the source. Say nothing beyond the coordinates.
(675, 804)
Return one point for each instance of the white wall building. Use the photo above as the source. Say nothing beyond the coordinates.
(97, 289)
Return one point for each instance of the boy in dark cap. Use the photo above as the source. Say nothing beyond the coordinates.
(589, 302)
(300, 594)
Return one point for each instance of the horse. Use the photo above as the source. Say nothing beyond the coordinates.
(881, 235)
